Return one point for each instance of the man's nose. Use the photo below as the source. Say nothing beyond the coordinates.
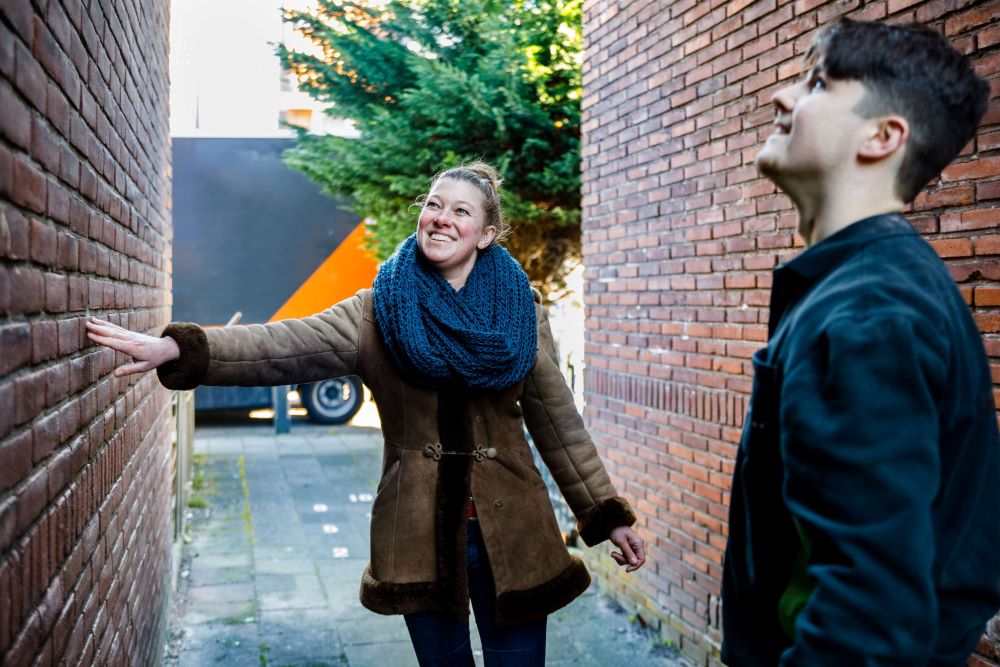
(784, 99)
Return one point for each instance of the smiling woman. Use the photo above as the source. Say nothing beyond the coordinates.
(453, 227)
(457, 351)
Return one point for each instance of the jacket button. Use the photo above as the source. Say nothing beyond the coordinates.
(479, 419)
(498, 503)
(491, 453)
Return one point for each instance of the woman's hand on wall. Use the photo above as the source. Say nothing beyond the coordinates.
(633, 548)
(147, 352)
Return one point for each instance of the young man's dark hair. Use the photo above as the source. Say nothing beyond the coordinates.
(912, 71)
(866, 495)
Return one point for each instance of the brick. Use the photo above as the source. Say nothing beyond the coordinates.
(15, 118)
(15, 341)
(981, 218)
(29, 396)
(987, 296)
(16, 453)
(983, 167)
(67, 252)
(959, 247)
(69, 336)
(44, 148)
(44, 437)
(59, 472)
(20, 13)
(44, 341)
(14, 234)
(29, 185)
(988, 244)
(29, 297)
(43, 242)
(31, 499)
(56, 293)
(30, 78)
(6, 172)
(970, 19)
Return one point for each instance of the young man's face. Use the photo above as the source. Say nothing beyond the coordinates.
(817, 131)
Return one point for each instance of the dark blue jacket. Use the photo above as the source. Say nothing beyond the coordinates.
(865, 512)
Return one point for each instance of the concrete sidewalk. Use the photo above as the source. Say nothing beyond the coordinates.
(271, 573)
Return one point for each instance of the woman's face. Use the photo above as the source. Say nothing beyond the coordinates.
(452, 228)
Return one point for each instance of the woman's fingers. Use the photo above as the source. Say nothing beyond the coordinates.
(627, 551)
(107, 329)
(617, 556)
(638, 549)
(129, 369)
(114, 343)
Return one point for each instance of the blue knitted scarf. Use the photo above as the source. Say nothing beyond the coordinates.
(484, 335)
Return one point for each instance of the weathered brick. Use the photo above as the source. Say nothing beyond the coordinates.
(67, 251)
(29, 295)
(69, 336)
(15, 118)
(31, 499)
(29, 396)
(43, 242)
(29, 185)
(30, 77)
(14, 234)
(44, 437)
(15, 341)
(20, 15)
(56, 293)
(16, 453)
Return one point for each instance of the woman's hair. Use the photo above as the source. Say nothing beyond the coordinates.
(487, 181)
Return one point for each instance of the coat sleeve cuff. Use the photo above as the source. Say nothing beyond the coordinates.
(189, 370)
(597, 525)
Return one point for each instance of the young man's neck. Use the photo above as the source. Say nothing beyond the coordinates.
(825, 211)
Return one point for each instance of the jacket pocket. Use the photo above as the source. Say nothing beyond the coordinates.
(386, 478)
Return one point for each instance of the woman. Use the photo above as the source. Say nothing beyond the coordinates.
(458, 354)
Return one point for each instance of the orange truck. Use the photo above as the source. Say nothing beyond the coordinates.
(254, 237)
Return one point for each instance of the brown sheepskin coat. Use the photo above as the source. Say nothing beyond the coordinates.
(441, 447)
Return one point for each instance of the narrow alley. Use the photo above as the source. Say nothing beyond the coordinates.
(277, 541)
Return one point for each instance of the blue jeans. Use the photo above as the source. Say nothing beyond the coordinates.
(440, 641)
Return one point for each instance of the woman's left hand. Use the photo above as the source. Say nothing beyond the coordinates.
(633, 548)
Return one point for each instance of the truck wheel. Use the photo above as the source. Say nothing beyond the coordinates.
(332, 401)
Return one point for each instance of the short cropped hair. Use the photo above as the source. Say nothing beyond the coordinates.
(914, 72)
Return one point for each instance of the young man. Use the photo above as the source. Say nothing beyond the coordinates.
(866, 498)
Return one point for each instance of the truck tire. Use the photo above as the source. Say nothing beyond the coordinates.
(332, 401)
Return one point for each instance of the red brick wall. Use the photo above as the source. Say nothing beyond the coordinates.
(680, 235)
(84, 230)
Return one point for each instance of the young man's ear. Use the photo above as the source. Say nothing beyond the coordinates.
(888, 135)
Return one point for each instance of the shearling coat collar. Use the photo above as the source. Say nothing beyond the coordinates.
(441, 447)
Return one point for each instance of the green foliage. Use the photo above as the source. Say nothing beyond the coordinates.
(432, 83)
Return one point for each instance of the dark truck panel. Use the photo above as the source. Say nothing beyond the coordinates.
(248, 232)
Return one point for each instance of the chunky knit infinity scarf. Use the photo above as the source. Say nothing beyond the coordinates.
(484, 335)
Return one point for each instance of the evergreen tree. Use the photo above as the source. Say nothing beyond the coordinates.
(432, 83)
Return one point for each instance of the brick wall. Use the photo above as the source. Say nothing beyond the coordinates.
(84, 230)
(680, 235)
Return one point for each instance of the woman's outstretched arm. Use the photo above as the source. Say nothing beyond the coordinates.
(294, 351)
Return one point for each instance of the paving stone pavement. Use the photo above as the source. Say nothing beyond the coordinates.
(271, 571)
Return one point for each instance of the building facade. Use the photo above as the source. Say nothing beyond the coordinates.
(680, 235)
(85, 457)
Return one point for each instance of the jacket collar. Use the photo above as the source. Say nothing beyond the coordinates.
(795, 277)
